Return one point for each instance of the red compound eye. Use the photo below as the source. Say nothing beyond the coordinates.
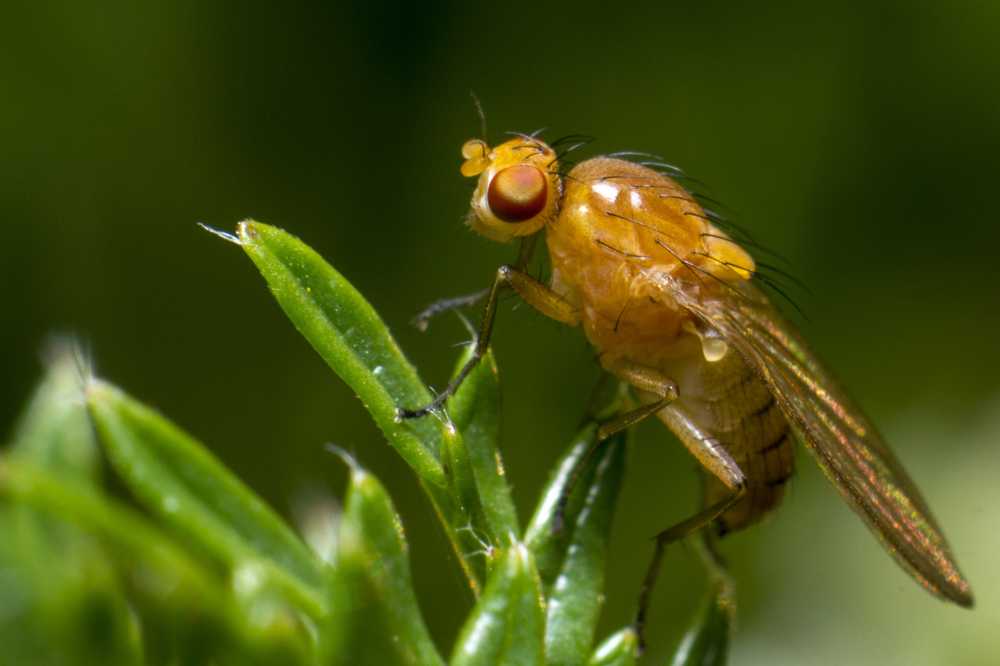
(518, 193)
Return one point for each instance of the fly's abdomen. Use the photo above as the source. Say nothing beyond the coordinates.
(761, 444)
(725, 401)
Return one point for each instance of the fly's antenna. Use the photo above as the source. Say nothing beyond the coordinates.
(480, 113)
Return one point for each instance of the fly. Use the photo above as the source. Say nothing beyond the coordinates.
(670, 303)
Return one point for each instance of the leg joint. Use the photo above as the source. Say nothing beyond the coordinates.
(670, 391)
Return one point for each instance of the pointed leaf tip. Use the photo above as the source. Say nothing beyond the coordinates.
(706, 642)
(346, 331)
(507, 624)
(619, 649)
(375, 615)
(188, 488)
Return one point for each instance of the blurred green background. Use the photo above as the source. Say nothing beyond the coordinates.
(859, 139)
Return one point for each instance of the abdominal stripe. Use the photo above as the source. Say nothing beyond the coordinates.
(766, 406)
(775, 444)
(780, 481)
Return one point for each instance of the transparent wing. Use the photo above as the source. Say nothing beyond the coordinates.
(845, 444)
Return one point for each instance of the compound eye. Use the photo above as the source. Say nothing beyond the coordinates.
(518, 193)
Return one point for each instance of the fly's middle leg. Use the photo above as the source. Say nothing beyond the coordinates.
(645, 379)
(534, 293)
(642, 377)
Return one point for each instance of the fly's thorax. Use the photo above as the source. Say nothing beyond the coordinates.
(621, 230)
(649, 337)
(518, 190)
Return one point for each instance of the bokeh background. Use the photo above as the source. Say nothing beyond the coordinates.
(859, 139)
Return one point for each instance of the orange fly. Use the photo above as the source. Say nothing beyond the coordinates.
(671, 304)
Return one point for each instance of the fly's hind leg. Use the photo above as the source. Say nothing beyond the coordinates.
(666, 537)
(534, 293)
(716, 459)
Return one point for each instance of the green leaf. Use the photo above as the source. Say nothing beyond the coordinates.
(462, 513)
(172, 571)
(376, 619)
(507, 624)
(576, 594)
(349, 335)
(548, 546)
(272, 630)
(55, 432)
(55, 580)
(347, 332)
(706, 643)
(189, 616)
(618, 650)
(59, 582)
(475, 411)
(180, 481)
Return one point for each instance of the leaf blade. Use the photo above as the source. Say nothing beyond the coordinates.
(54, 431)
(376, 618)
(349, 335)
(185, 601)
(576, 595)
(475, 411)
(507, 624)
(706, 642)
(189, 489)
(354, 342)
(619, 649)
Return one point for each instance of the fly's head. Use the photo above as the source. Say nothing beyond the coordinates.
(518, 190)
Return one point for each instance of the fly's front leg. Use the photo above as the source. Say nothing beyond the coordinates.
(423, 318)
(534, 293)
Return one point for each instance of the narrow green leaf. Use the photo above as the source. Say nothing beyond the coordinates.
(507, 624)
(189, 614)
(577, 594)
(55, 432)
(706, 643)
(475, 411)
(376, 619)
(273, 631)
(60, 595)
(463, 518)
(549, 547)
(179, 480)
(618, 650)
(127, 532)
(349, 335)
(55, 580)
(347, 332)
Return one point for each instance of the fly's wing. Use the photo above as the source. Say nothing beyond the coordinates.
(846, 446)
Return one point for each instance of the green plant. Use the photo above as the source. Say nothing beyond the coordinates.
(204, 572)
